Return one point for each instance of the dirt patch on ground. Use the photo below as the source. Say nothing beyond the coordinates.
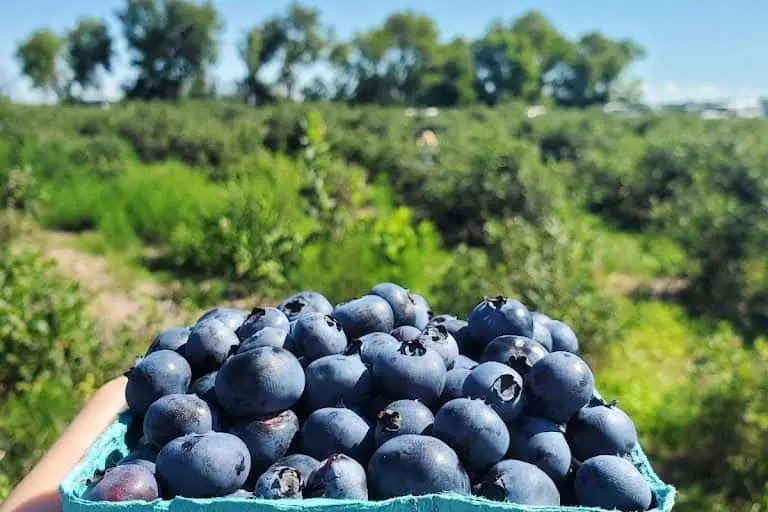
(110, 304)
(661, 287)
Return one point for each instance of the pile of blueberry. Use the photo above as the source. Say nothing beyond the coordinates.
(372, 399)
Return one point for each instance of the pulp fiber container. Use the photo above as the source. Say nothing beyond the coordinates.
(111, 447)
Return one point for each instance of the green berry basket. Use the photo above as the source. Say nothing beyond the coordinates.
(111, 446)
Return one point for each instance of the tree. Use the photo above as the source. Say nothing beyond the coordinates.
(454, 79)
(412, 53)
(302, 44)
(366, 67)
(392, 63)
(5, 85)
(629, 91)
(317, 90)
(341, 86)
(259, 47)
(89, 48)
(763, 104)
(592, 71)
(40, 56)
(549, 45)
(172, 41)
(294, 40)
(507, 65)
(200, 87)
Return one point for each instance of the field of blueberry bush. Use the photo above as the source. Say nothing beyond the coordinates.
(649, 235)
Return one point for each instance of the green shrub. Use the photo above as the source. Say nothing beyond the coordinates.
(42, 324)
(52, 358)
(695, 395)
(718, 447)
(393, 246)
(74, 202)
(144, 202)
(336, 198)
(31, 419)
(192, 135)
(638, 255)
(19, 190)
(257, 234)
(550, 269)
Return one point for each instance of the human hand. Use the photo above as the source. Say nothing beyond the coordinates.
(39, 490)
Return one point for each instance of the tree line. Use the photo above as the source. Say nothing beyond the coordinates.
(173, 46)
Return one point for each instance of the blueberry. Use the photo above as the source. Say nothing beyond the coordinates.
(370, 411)
(267, 438)
(415, 465)
(498, 316)
(422, 317)
(221, 421)
(123, 483)
(405, 333)
(210, 343)
(173, 416)
(499, 386)
(410, 371)
(305, 302)
(540, 317)
(517, 352)
(260, 318)
(522, 483)
(267, 337)
(558, 386)
(404, 307)
(454, 384)
(459, 329)
(231, 317)
(304, 464)
(542, 335)
(337, 380)
(204, 388)
(336, 430)
(402, 417)
(422, 304)
(160, 373)
(540, 442)
(259, 382)
(372, 346)
(563, 337)
(474, 430)
(288, 344)
(440, 340)
(280, 483)
(601, 430)
(441, 319)
(611, 482)
(149, 465)
(463, 361)
(174, 339)
(144, 455)
(338, 477)
(316, 335)
(365, 315)
(203, 465)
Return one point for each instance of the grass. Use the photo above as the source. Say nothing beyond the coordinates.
(145, 203)
(643, 255)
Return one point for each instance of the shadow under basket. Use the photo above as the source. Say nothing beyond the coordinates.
(111, 446)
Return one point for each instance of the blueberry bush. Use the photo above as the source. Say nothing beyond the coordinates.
(647, 234)
(52, 358)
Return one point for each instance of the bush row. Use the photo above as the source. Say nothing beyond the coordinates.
(544, 209)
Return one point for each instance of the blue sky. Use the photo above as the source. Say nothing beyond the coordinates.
(696, 49)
